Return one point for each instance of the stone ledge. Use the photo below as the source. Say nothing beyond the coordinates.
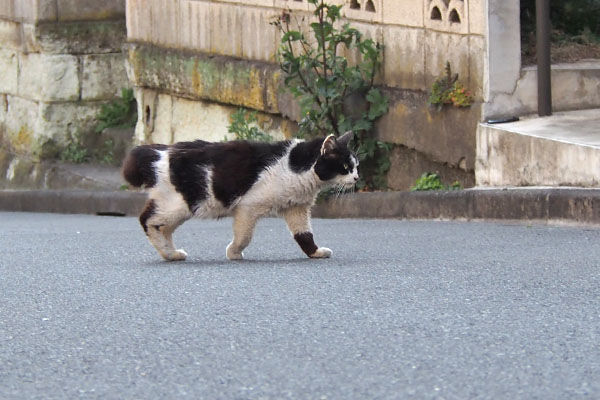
(546, 205)
(87, 37)
(227, 80)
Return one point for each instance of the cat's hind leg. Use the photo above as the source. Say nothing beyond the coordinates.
(298, 222)
(244, 221)
(159, 225)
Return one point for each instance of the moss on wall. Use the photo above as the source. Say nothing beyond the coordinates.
(216, 78)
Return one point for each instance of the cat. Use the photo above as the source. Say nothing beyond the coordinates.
(246, 180)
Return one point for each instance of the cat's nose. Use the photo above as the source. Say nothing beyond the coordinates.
(355, 178)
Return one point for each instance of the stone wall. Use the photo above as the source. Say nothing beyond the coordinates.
(210, 57)
(60, 60)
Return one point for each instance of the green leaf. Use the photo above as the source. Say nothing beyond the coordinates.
(291, 36)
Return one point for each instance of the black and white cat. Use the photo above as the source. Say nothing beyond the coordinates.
(247, 180)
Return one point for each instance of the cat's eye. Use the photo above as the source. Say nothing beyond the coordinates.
(345, 166)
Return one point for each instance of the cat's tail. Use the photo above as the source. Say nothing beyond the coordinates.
(138, 167)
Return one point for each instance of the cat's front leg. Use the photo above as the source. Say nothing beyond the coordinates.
(244, 221)
(298, 222)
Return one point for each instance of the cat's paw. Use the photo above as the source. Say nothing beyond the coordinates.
(322, 252)
(177, 255)
(232, 254)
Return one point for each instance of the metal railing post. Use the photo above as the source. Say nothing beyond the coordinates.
(543, 30)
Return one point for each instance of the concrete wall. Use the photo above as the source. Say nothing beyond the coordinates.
(60, 60)
(222, 54)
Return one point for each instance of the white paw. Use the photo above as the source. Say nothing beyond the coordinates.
(322, 252)
(234, 255)
(177, 255)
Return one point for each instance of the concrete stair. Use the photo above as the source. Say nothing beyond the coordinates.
(560, 150)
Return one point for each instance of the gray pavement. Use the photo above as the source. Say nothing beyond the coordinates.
(424, 310)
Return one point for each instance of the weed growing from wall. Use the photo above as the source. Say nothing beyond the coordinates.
(432, 181)
(121, 113)
(336, 96)
(243, 125)
(448, 91)
(75, 153)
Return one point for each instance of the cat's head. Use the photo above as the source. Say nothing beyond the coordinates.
(336, 164)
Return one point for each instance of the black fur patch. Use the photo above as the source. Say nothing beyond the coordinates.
(306, 242)
(235, 165)
(137, 167)
(304, 155)
(148, 212)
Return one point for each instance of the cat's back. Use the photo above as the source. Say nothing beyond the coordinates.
(226, 170)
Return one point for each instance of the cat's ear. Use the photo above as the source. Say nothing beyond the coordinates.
(328, 145)
(345, 139)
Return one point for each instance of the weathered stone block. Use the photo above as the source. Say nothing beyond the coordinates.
(177, 119)
(408, 165)
(447, 16)
(254, 3)
(477, 18)
(404, 57)
(294, 5)
(139, 21)
(260, 40)
(165, 23)
(20, 124)
(28, 10)
(103, 76)
(162, 132)
(443, 47)
(60, 122)
(7, 9)
(446, 136)
(3, 110)
(89, 37)
(146, 104)
(195, 26)
(506, 158)
(364, 10)
(226, 33)
(199, 120)
(9, 71)
(49, 77)
(10, 34)
(406, 12)
(477, 51)
(88, 10)
(225, 80)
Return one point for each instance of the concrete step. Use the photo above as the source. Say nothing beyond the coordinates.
(23, 173)
(560, 150)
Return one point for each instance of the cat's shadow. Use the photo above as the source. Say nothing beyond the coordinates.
(224, 263)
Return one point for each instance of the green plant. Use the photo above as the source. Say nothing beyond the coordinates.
(75, 153)
(105, 153)
(432, 181)
(121, 113)
(336, 96)
(243, 126)
(448, 91)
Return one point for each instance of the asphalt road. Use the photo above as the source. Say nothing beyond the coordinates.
(423, 310)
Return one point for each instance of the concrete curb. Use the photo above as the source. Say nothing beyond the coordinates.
(73, 201)
(536, 204)
(539, 204)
